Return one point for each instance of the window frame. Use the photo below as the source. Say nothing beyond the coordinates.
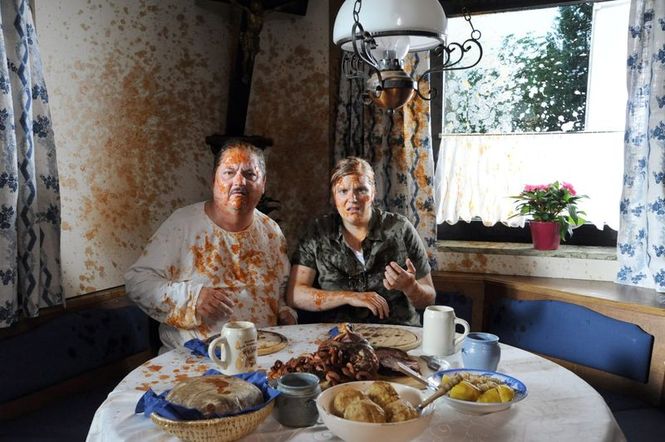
(586, 235)
(456, 8)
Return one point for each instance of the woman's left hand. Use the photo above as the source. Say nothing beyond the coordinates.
(397, 278)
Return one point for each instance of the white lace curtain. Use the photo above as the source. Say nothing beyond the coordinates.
(477, 174)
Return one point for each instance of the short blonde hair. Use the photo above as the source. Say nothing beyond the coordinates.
(351, 166)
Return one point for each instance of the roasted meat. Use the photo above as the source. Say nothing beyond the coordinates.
(346, 357)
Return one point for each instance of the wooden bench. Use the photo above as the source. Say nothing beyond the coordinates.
(480, 294)
(95, 339)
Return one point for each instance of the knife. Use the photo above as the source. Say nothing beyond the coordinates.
(407, 371)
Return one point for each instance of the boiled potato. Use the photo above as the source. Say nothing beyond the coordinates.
(491, 395)
(465, 391)
(506, 393)
(445, 379)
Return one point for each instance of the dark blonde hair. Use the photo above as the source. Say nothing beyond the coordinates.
(242, 145)
(351, 166)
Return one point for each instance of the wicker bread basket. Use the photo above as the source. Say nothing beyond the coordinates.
(221, 429)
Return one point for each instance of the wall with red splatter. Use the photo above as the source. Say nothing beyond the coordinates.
(289, 103)
(136, 86)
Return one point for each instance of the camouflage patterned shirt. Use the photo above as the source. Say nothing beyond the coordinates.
(391, 237)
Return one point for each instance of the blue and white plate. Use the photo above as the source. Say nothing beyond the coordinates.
(481, 407)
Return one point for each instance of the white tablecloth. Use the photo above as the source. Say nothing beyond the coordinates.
(560, 406)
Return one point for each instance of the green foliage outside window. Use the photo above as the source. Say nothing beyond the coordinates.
(538, 85)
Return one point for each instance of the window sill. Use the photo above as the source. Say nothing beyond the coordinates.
(571, 262)
(526, 249)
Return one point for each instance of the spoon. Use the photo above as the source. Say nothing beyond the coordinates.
(444, 388)
(415, 375)
(437, 394)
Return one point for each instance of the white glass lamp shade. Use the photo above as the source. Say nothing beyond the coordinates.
(422, 22)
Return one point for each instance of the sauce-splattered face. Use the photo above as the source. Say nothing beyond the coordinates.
(353, 196)
(239, 182)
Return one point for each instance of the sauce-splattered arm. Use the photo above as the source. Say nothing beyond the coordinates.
(303, 295)
(155, 282)
(173, 303)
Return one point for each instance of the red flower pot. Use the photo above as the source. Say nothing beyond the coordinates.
(545, 235)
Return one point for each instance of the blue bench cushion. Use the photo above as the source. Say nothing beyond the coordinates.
(462, 305)
(69, 345)
(573, 333)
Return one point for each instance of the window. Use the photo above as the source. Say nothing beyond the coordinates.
(546, 103)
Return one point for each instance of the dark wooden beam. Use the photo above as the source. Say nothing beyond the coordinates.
(217, 141)
(297, 7)
(240, 81)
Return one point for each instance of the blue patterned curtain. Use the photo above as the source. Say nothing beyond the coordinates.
(641, 243)
(399, 148)
(30, 276)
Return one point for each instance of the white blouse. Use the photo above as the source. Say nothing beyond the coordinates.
(189, 252)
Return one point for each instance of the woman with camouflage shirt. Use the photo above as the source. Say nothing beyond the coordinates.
(360, 264)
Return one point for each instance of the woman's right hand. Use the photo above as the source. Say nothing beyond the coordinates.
(371, 300)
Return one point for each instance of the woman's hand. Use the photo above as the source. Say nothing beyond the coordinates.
(302, 295)
(396, 278)
(420, 291)
(371, 300)
(213, 305)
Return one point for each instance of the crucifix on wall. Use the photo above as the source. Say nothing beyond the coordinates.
(254, 13)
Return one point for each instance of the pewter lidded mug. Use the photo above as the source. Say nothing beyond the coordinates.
(296, 405)
(439, 338)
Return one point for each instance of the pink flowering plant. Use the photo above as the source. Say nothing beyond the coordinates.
(556, 202)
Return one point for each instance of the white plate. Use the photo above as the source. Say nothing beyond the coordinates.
(481, 407)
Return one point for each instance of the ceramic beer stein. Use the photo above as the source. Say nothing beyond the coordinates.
(439, 337)
(238, 348)
(481, 351)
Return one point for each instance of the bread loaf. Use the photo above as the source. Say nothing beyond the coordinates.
(216, 395)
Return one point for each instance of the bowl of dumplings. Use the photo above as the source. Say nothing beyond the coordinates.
(374, 410)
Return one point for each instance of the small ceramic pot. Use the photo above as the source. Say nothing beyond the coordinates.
(481, 351)
(296, 406)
